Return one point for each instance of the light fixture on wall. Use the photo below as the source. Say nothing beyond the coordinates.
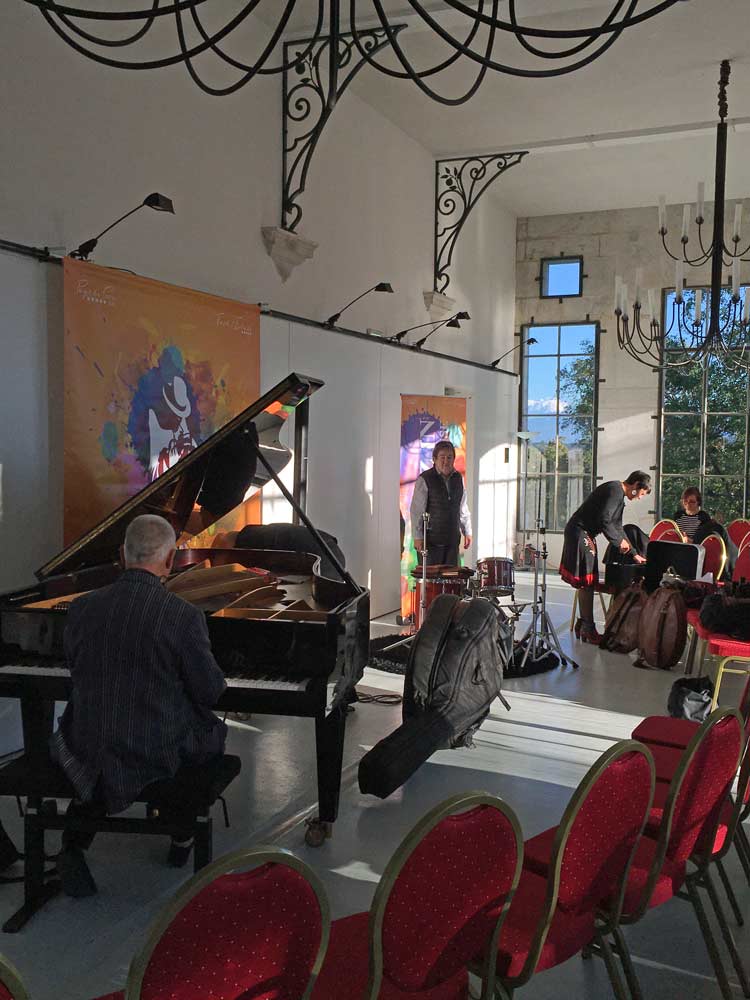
(521, 343)
(702, 333)
(159, 203)
(452, 321)
(382, 286)
(476, 35)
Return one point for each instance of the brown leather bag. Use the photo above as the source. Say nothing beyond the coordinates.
(662, 628)
(621, 628)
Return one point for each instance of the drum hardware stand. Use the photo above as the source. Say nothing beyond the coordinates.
(423, 595)
(540, 638)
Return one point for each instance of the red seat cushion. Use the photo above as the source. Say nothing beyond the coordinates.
(568, 932)
(663, 730)
(693, 619)
(668, 882)
(346, 968)
(724, 645)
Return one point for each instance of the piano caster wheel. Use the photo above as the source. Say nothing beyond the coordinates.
(317, 832)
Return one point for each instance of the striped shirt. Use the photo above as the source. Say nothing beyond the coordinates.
(688, 524)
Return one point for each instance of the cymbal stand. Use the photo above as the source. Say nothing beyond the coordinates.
(540, 637)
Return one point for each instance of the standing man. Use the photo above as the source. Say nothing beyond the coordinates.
(441, 493)
(144, 681)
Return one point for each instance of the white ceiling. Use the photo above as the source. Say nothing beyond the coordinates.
(661, 75)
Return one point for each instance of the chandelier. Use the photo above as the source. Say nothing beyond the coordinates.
(692, 333)
(202, 27)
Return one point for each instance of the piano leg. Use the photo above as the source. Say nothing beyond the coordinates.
(329, 745)
(37, 891)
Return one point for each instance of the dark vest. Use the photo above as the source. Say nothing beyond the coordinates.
(443, 506)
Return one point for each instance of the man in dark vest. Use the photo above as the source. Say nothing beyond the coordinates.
(440, 492)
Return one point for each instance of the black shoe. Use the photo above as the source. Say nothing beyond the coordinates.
(75, 877)
(179, 853)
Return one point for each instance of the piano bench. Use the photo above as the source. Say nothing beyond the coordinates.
(170, 804)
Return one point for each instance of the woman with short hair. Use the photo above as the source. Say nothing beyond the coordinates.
(690, 517)
(599, 514)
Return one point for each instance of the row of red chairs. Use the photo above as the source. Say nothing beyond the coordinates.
(667, 530)
(464, 892)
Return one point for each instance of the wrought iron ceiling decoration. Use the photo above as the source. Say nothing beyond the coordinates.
(692, 333)
(476, 35)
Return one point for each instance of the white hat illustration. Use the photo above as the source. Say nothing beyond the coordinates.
(176, 397)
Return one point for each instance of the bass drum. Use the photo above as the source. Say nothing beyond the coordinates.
(497, 576)
(435, 586)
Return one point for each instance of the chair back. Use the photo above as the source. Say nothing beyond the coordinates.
(702, 781)
(11, 987)
(741, 569)
(254, 923)
(666, 530)
(715, 558)
(738, 530)
(444, 893)
(744, 543)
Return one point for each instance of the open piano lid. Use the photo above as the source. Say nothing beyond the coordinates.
(216, 475)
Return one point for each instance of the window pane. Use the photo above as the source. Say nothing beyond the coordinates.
(561, 278)
(725, 445)
(681, 448)
(722, 498)
(576, 445)
(546, 339)
(577, 383)
(672, 488)
(577, 338)
(683, 388)
(727, 388)
(571, 492)
(542, 444)
(540, 497)
(541, 385)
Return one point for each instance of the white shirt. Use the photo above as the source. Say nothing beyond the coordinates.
(419, 506)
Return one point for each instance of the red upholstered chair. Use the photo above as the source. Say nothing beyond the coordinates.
(739, 530)
(666, 530)
(741, 569)
(253, 924)
(659, 868)
(579, 874)
(439, 901)
(715, 558)
(663, 730)
(11, 987)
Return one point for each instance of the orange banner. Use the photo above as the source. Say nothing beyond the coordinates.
(151, 370)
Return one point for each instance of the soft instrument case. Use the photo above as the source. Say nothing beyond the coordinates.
(454, 672)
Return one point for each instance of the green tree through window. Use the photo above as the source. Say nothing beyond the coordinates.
(704, 431)
(558, 406)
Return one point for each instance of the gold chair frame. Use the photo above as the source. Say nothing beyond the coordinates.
(723, 547)
(494, 987)
(463, 802)
(243, 860)
(673, 526)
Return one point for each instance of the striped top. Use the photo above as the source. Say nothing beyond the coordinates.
(688, 524)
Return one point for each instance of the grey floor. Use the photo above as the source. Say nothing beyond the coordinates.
(532, 756)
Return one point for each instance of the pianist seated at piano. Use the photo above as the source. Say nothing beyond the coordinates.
(144, 681)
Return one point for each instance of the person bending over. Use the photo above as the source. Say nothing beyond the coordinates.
(441, 493)
(600, 513)
(144, 681)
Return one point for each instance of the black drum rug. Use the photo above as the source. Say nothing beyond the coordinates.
(392, 661)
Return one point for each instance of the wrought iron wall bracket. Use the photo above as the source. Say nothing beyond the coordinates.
(459, 184)
(311, 86)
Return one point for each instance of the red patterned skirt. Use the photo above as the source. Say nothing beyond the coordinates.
(579, 566)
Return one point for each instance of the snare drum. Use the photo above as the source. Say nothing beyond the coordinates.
(497, 575)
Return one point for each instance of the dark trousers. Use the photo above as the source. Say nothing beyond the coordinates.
(443, 555)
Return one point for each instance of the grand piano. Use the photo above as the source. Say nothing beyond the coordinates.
(290, 640)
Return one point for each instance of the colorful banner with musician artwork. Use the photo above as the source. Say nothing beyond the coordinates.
(150, 371)
(425, 420)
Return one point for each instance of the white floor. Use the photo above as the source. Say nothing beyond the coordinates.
(533, 756)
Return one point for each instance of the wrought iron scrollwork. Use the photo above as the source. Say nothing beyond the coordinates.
(459, 184)
(312, 84)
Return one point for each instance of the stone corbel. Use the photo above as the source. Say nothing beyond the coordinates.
(439, 306)
(287, 250)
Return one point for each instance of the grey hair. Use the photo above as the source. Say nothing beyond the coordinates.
(149, 539)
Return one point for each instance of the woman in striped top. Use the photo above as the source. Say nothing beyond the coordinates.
(690, 517)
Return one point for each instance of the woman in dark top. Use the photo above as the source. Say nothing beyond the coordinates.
(600, 513)
(689, 518)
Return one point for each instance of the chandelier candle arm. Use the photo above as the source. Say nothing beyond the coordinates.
(685, 223)
(662, 215)
(700, 204)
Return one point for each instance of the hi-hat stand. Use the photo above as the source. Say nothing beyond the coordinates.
(540, 639)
